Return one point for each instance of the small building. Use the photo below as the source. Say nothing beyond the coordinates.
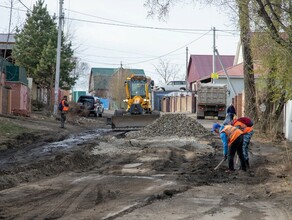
(7, 42)
(99, 80)
(108, 83)
(200, 68)
(234, 82)
(14, 94)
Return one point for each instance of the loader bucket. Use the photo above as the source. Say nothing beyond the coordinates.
(132, 122)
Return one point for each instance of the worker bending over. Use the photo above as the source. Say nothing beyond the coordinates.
(245, 124)
(232, 140)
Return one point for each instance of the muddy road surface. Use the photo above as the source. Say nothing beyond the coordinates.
(165, 171)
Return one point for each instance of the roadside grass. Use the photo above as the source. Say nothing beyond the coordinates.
(10, 130)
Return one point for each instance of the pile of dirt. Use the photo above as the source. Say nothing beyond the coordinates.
(167, 125)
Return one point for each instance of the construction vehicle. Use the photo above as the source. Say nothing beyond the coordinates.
(211, 100)
(138, 99)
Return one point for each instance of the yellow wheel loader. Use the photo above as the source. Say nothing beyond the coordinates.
(139, 111)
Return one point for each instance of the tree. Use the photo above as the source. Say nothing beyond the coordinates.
(275, 85)
(166, 70)
(35, 50)
(248, 68)
(277, 17)
(274, 37)
(81, 71)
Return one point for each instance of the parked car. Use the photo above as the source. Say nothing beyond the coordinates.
(174, 86)
(91, 104)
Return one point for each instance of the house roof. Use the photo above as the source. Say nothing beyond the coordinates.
(3, 38)
(233, 71)
(106, 74)
(103, 71)
(201, 66)
(4, 44)
(236, 71)
(137, 71)
(111, 71)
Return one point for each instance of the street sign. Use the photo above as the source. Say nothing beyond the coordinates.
(214, 76)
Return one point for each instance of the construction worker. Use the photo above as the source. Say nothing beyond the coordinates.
(64, 108)
(232, 140)
(231, 112)
(245, 124)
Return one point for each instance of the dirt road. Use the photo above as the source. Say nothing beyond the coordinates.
(88, 172)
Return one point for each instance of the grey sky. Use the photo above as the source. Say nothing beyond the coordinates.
(103, 36)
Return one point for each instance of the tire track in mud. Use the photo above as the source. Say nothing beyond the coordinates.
(45, 203)
(89, 196)
(270, 211)
(66, 203)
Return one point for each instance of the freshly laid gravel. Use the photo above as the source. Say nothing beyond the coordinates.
(168, 125)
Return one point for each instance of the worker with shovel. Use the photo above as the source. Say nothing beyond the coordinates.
(232, 139)
(245, 124)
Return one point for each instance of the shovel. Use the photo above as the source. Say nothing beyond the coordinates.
(219, 164)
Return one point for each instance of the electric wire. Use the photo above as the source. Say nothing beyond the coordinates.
(24, 5)
(16, 9)
(126, 24)
(159, 57)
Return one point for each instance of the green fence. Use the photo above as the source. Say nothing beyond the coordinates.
(13, 73)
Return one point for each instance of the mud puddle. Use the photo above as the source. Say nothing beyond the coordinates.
(41, 150)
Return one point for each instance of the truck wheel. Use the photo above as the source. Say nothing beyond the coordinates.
(99, 115)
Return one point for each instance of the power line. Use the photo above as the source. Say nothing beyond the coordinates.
(185, 30)
(123, 57)
(172, 50)
(109, 64)
(94, 16)
(126, 24)
(17, 9)
(25, 5)
(159, 57)
(133, 26)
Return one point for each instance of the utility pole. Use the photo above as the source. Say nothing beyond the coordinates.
(187, 56)
(57, 79)
(227, 76)
(214, 52)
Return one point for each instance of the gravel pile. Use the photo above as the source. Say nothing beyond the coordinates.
(179, 125)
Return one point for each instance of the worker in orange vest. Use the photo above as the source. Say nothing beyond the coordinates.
(245, 124)
(64, 108)
(232, 139)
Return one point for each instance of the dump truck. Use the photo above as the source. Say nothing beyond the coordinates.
(139, 111)
(211, 100)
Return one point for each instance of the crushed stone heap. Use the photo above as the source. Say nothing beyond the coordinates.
(179, 125)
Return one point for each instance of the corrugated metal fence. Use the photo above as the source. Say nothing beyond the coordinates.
(174, 101)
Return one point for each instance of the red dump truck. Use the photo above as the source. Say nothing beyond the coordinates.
(211, 100)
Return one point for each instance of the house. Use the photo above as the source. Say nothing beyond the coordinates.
(201, 66)
(109, 83)
(7, 42)
(14, 91)
(235, 81)
(99, 79)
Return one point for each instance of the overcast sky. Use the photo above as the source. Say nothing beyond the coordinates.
(103, 34)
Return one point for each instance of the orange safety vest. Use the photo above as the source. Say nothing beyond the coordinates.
(65, 108)
(232, 133)
(243, 127)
